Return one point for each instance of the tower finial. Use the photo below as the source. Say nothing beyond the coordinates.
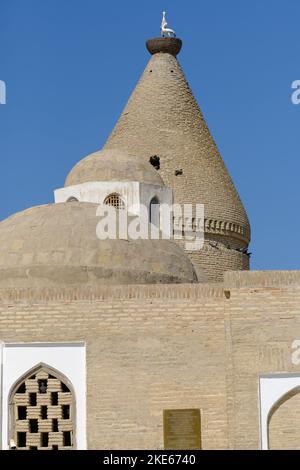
(166, 32)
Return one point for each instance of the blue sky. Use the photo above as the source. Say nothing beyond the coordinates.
(70, 66)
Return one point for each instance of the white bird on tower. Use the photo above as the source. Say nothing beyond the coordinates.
(164, 30)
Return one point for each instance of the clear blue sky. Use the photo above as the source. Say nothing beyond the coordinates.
(70, 66)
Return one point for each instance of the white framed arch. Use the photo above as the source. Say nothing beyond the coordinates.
(272, 389)
(154, 211)
(43, 381)
(115, 200)
(72, 199)
(68, 359)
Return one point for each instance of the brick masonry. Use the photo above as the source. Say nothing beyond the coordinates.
(155, 347)
(284, 431)
(163, 118)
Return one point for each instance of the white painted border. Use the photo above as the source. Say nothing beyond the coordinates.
(67, 358)
(271, 389)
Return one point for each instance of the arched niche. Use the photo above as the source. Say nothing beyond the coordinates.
(274, 391)
(115, 201)
(72, 199)
(154, 212)
(284, 422)
(42, 411)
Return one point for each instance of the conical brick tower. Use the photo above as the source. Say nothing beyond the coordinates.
(162, 118)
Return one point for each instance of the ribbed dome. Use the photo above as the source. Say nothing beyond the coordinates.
(57, 245)
(113, 165)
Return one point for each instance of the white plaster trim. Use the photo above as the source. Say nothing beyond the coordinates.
(271, 389)
(67, 358)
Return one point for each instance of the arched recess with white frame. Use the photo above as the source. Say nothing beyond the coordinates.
(114, 200)
(154, 212)
(72, 199)
(42, 407)
(283, 422)
(280, 411)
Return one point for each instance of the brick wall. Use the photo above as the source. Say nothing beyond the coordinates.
(155, 347)
(263, 314)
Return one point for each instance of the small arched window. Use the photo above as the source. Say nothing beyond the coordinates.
(114, 200)
(42, 411)
(72, 199)
(154, 211)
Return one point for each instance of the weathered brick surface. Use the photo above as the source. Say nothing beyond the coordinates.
(162, 118)
(284, 428)
(156, 347)
(264, 321)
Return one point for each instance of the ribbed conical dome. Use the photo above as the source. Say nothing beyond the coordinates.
(162, 118)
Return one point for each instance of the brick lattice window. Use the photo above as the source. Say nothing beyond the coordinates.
(115, 200)
(42, 411)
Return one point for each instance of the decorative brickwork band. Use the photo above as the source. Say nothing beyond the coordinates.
(227, 228)
(182, 291)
